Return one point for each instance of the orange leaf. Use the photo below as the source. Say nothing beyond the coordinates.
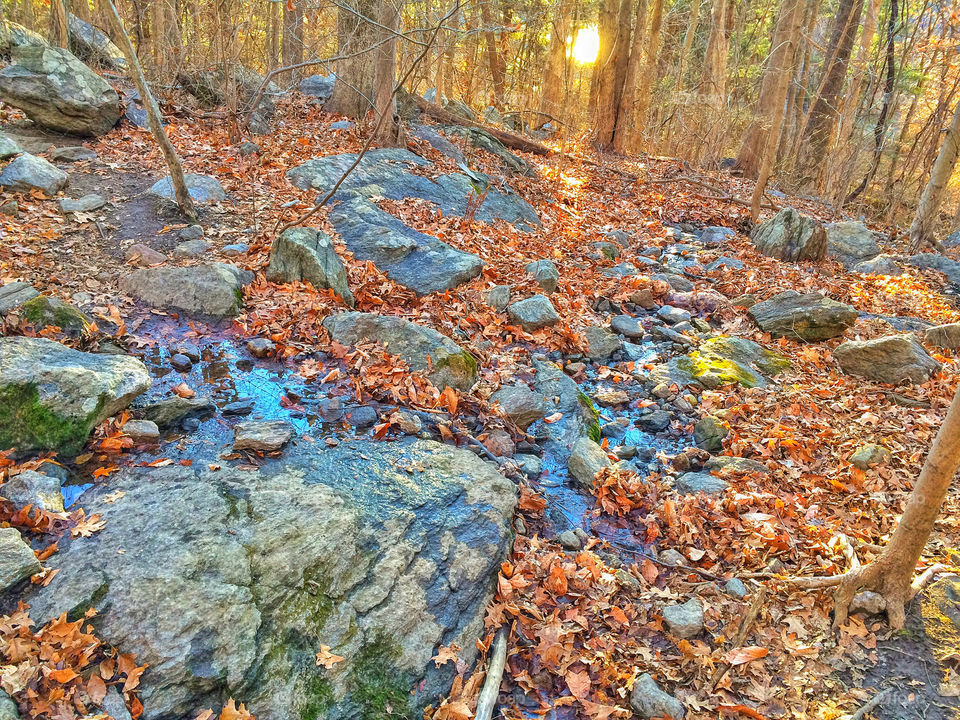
(741, 655)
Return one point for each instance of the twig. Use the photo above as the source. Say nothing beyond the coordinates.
(871, 705)
(487, 700)
(742, 633)
(924, 578)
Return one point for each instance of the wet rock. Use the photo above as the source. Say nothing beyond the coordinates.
(709, 433)
(308, 254)
(692, 483)
(649, 701)
(545, 273)
(586, 460)
(523, 406)
(87, 203)
(809, 316)
(191, 248)
(422, 348)
(938, 262)
(500, 443)
(14, 295)
(569, 541)
(94, 46)
(136, 116)
(17, 561)
(181, 363)
(172, 410)
(869, 455)
(29, 172)
(191, 351)
(235, 250)
(654, 422)
(212, 290)
(890, 359)
(625, 452)
(241, 407)
(791, 236)
(336, 546)
(499, 297)
(723, 360)
(408, 422)
(204, 189)
(613, 430)
(673, 315)
(8, 147)
(141, 430)
(144, 255)
(627, 326)
(318, 86)
(72, 154)
(361, 417)
(943, 336)
(53, 395)
(578, 416)
(530, 465)
(261, 347)
(868, 603)
(735, 588)
(58, 92)
(533, 313)
(607, 397)
(851, 243)
(602, 342)
(880, 265)
(33, 488)
(262, 436)
(686, 620)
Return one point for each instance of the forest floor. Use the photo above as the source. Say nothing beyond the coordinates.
(579, 638)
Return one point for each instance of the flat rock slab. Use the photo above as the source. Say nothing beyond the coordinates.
(212, 290)
(891, 359)
(15, 294)
(72, 154)
(202, 188)
(262, 436)
(29, 172)
(941, 263)
(803, 316)
(52, 395)
(228, 582)
(87, 203)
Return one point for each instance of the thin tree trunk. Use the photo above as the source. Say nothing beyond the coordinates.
(59, 12)
(385, 69)
(448, 56)
(609, 70)
(551, 99)
(921, 231)
(495, 62)
(650, 64)
(627, 122)
(181, 192)
(292, 48)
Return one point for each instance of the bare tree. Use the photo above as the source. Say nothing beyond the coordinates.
(921, 230)
(609, 70)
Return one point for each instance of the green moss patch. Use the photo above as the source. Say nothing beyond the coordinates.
(44, 311)
(26, 424)
(378, 689)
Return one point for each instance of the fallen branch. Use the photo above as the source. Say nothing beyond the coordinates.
(871, 705)
(745, 625)
(487, 700)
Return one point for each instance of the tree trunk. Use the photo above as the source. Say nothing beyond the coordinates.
(551, 98)
(274, 24)
(120, 36)
(292, 48)
(770, 105)
(26, 15)
(713, 77)
(627, 122)
(59, 12)
(448, 56)
(650, 64)
(891, 574)
(496, 64)
(355, 90)
(609, 70)
(385, 69)
(921, 230)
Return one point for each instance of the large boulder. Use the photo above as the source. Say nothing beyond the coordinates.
(58, 92)
(29, 172)
(422, 348)
(943, 336)
(229, 583)
(533, 313)
(213, 290)
(791, 236)
(308, 254)
(318, 86)
(721, 361)
(51, 396)
(851, 243)
(14, 35)
(93, 46)
(941, 263)
(804, 316)
(890, 359)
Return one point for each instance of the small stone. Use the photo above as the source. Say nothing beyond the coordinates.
(520, 404)
(11, 208)
(545, 273)
(261, 347)
(188, 349)
(248, 148)
(686, 620)
(673, 315)
(235, 250)
(602, 342)
(533, 313)
(673, 558)
(519, 526)
(499, 297)
(191, 232)
(341, 125)
(72, 154)
(171, 410)
(238, 408)
(362, 417)
(627, 326)
(530, 465)
(611, 398)
(613, 430)
(17, 561)
(408, 422)
(87, 203)
(191, 248)
(656, 421)
(331, 409)
(569, 541)
(29, 172)
(500, 443)
(141, 430)
(692, 483)
(709, 433)
(890, 359)
(14, 295)
(869, 455)
(627, 580)
(8, 708)
(181, 363)
(868, 602)
(625, 452)
(33, 488)
(586, 460)
(144, 256)
(662, 391)
(262, 436)
(575, 368)
(644, 298)
(649, 701)
(735, 588)
(113, 705)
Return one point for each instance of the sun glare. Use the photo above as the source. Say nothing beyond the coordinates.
(585, 45)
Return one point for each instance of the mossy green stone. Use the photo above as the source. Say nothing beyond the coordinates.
(45, 311)
(377, 687)
(26, 423)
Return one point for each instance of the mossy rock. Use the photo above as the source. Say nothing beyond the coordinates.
(725, 360)
(45, 311)
(25, 423)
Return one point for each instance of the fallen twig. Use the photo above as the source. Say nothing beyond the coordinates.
(487, 700)
(871, 705)
(752, 612)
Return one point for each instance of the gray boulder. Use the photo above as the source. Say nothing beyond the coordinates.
(58, 92)
(29, 172)
(545, 273)
(230, 583)
(791, 236)
(203, 189)
(943, 336)
(14, 295)
(73, 154)
(627, 326)
(533, 313)
(213, 290)
(422, 348)
(268, 436)
(940, 263)
(692, 483)
(601, 342)
(8, 147)
(93, 46)
(17, 561)
(851, 243)
(709, 433)
(308, 254)
(686, 620)
(586, 460)
(318, 86)
(952, 240)
(13, 35)
(87, 203)
(521, 404)
(52, 395)
(804, 316)
(35, 489)
(890, 359)
(880, 265)
(649, 701)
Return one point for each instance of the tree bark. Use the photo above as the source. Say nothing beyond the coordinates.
(120, 36)
(891, 574)
(59, 12)
(551, 98)
(355, 90)
(609, 70)
(650, 63)
(385, 70)
(448, 56)
(292, 47)
(921, 231)
(496, 64)
(627, 112)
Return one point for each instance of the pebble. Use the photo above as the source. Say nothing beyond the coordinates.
(569, 541)
(263, 436)
(520, 526)
(408, 422)
(686, 620)
(736, 588)
(530, 465)
(672, 557)
(181, 363)
(362, 417)
(673, 315)
(188, 349)
(261, 347)
(627, 326)
(235, 249)
(243, 406)
(649, 701)
(141, 430)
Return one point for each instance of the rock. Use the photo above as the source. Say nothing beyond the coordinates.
(938, 262)
(578, 415)
(8, 147)
(586, 460)
(114, 706)
(644, 298)
(11, 208)
(13, 35)
(87, 203)
(191, 248)
(58, 92)
(51, 396)
(869, 455)
(319, 86)
(523, 406)
(533, 313)
(29, 172)
(943, 336)
(191, 232)
(137, 116)
(735, 588)
(673, 315)
(609, 250)
(169, 411)
(144, 255)
(408, 422)
(868, 603)
(181, 363)
(204, 189)
(499, 297)
(480, 138)
(676, 282)
(381, 551)
(890, 359)
(17, 561)
(714, 235)
(791, 236)
(342, 125)
(238, 408)
(684, 620)
(8, 708)
(33, 488)
(725, 262)
(614, 430)
(728, 465)
(422, 348)
(708, 434)
(627, 326)
(93, 46)
(692, 483)
(141, 430)
(601, 342)
(235, 249)
(46, 311)
(880, 265)
(261, 347)
(851, 243)
(656, 421)
(438, 142)
(649, 701)
(607, 397)
(545, 273)
(14, 295)
(672, 558)
(212, 290)
(530, 465)
(623, 270)
(191, 351)
(569, 541)
(723, 360)
(262, 436)
(248, 148)
(808, 316)
(72, 154)
(500, 443)
(307, 254)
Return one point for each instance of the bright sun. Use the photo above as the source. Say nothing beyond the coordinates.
(585, 45)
